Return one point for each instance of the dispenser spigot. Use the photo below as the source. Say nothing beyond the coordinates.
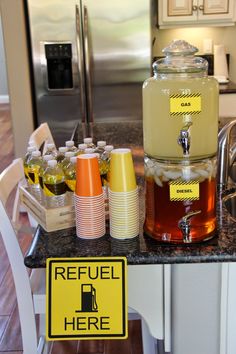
(184, 138)
(184, 225)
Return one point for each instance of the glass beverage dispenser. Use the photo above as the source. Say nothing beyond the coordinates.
(180, 125)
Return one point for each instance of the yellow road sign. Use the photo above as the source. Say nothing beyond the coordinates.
(86, 298)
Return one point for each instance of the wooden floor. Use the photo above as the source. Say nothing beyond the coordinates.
(10, 335)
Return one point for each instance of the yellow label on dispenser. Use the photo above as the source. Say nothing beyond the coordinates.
(184, 190)
(185, 104)
(86, 298)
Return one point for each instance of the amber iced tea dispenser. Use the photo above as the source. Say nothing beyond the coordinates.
(180, 125)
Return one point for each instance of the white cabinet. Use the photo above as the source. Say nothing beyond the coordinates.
(176, 13)
(227, 105)
(196, 309)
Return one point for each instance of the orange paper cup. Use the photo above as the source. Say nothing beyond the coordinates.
(88, 180)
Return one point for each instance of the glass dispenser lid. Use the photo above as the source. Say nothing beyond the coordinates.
(180, 58)
(179, 47)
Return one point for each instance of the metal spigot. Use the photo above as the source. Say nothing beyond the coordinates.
(185, 227)
(184, 138)
(226, 154)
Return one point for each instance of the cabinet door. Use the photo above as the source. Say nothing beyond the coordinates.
(177, 11)
(215, 10)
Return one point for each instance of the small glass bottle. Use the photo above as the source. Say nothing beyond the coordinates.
(42, 170)
(100, 147)
(54, 186)
(70, 178)
(81, 149)
(61, 153)
(66, 160)
(104, 164)
(89, 142)
(71, 146)
(104, 168)
(51, 150)
(26, 159)
(34, 165)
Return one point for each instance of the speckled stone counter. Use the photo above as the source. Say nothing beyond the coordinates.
(140, 250)
(228, 88)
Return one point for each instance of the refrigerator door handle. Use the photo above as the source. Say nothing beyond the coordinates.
(80, 62)
(88, 59)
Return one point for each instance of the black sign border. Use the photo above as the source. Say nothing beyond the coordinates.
(98, 336)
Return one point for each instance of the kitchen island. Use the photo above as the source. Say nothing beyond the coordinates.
(139, 250)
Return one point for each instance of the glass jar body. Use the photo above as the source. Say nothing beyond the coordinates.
(173, 192)
(170, 101)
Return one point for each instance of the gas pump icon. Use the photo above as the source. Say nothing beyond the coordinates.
(88, 298)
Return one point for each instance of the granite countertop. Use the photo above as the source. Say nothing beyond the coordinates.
(230, 87)
(140, 250)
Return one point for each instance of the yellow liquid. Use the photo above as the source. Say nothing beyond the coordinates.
(161, 129)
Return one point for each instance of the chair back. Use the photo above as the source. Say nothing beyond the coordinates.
(41, 137)
(9, 180)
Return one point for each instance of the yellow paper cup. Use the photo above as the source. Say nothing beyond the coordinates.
(122, 174)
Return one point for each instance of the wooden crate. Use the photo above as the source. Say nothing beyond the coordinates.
(51, 219)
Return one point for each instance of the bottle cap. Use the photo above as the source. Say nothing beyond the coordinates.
(31, 148)
(52, 163)
(63, 149)
(70, 143)
(88, 140)
(108, 148)
(82, 146)
(69, 154)
(101, 143)
(36, 153)
(89, 151)
(48, 157)
(50, 146)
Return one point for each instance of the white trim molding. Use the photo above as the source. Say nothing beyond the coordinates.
(4, 99)
(228, 308)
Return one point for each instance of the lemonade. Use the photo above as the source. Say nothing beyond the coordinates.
(161, 127)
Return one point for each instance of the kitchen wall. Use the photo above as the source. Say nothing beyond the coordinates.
(12, 14)
(3, 74)
(219, 35)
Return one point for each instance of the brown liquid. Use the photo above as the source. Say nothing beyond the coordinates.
(163, 215)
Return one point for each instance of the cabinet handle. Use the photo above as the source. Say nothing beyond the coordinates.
(201, 7)
(194, 8)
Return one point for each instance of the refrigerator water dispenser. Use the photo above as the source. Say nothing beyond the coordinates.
(59, 66)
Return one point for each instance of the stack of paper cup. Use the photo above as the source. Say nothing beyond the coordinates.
(123, 196)
(89, 198)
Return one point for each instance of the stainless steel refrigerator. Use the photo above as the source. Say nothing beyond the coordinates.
(89, 59)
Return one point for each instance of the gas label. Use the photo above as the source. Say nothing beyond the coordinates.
(185, 104)
(184, 190)
(86, 298)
